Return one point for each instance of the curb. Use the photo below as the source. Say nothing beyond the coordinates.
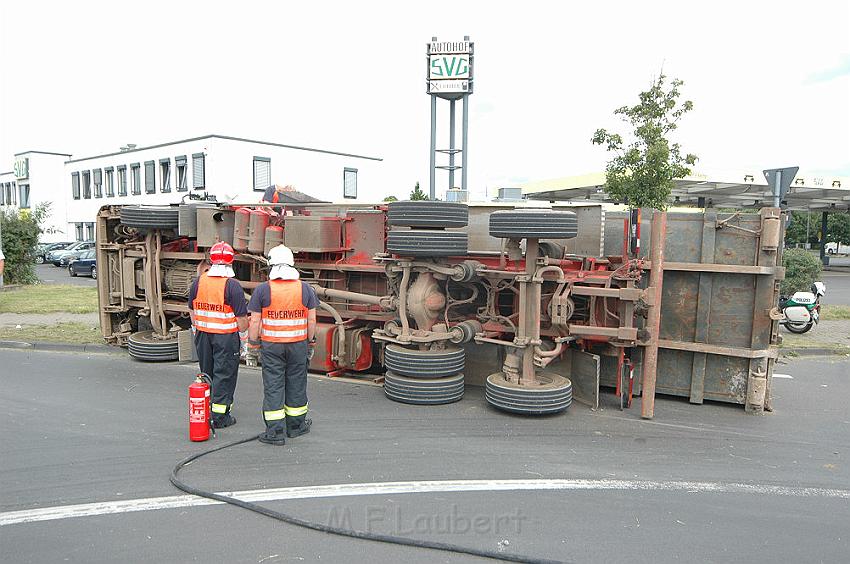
(815, 351)
(61, 347)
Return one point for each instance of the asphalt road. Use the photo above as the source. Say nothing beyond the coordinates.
(100, 428)
(50, 274)
(837, 287)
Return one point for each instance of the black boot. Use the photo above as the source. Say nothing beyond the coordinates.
(225, 420)
(298, 428)
(272, 437)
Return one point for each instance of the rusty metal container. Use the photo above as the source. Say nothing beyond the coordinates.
(274, 237)
(257, 230)
(313, 234)
(240, 229)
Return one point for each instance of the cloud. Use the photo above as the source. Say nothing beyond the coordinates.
(842, 68)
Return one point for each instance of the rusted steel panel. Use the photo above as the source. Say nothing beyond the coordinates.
(716, 306)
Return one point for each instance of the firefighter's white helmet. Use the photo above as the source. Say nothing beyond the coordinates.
(281, 255)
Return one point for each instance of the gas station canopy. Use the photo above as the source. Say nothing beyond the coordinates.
(723, 190)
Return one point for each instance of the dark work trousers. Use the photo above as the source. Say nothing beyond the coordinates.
(218, 356)
(284, 385)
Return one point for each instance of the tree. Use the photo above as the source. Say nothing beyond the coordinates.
(20, 231)
(803, 228)
(642, 172)
(838, 228)
(390, 199)
(418, 194)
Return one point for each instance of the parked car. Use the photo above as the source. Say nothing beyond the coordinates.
(85, 265)
(43, 249)
(56, 257)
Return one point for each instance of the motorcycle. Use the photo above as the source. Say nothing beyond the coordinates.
(802, 310)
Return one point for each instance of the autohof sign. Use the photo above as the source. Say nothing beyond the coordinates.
(450, 68)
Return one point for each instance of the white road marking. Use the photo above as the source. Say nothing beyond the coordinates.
(387, 488)
(788, 376)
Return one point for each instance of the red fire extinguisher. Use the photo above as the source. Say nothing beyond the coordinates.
(199, 408)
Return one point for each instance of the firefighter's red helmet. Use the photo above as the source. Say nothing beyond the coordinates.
(221, 253)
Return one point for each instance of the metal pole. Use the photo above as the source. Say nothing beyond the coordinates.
(465, 138)
(653, 318)
(532, 311)
(433, 170)
(823, 225)
(451, 144)
(776, 188)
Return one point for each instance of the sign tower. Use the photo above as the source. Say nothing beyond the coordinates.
(450, 78)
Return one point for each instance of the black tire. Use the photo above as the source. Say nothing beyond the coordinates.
(423, 392)
(150, 217)
(427, 213)
(94, 272)
(540, 224)
(39, 259)
(799, 329)
(553, 396)
(71, 271)
(414, 363)
(423, 243)
(143, 346)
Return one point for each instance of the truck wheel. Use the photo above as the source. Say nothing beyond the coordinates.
(423, 392)
(425, 243)
(427, 214)
(150, 217)
(540, 224)
(799, 328)
(414, 363)
(553, 395)
(145, 346)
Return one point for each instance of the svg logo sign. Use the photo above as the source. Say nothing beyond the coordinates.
(449, 66)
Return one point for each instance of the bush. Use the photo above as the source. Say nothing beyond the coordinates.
(20, 231)
(802, 268)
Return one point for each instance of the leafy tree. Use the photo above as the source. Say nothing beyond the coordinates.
(642, 172)
(838, 228)
(796, 231)
(418, 194)
(20, 232)
(390, 199)
(802, 268)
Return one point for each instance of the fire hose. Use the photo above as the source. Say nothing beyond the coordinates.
(351, 533)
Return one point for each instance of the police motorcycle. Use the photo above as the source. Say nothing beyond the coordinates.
(802, 310)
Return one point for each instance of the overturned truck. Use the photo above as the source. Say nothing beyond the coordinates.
(538, 305)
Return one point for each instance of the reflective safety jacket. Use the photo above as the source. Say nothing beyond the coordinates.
(212, 315)
(285, 320)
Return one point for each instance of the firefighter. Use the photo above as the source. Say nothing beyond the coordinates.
(283, 328)
(219, 312)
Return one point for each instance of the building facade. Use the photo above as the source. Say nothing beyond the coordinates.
(232, 169)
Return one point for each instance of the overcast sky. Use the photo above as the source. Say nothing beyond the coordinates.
(770, 81)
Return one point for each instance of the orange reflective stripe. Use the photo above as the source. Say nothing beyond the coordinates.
(285, 320)
(212, 315)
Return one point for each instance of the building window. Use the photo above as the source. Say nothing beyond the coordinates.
(122, 180)
(349, 183)
(2, 194)
(14, 194)
(110, 182)
(150, 180)
(25, 195)
(198, 176)
(86, 180)
(165, 175)
(75, 185)
(79, 229)
(182, 173)
(136, 179)
(98, 183)
(262, 173)
(89, 231)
